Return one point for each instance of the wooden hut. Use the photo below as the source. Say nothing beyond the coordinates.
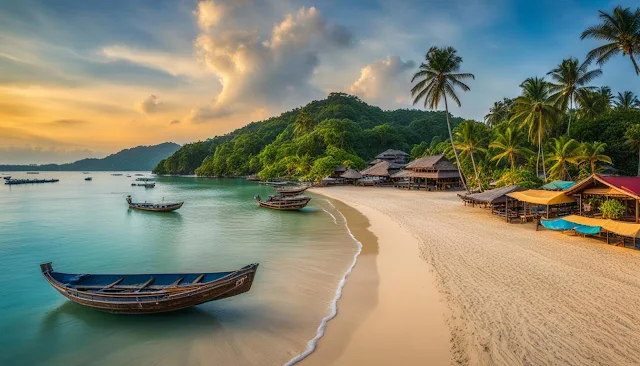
(431, 172)
(338, 171)
(601, 188)
(537, 203)
(494, 198)
(379, 173)
(392, 156)
(351, 176)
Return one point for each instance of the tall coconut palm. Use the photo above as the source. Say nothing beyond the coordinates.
(593, 154)
(569, 77)
(564, 151)
(626, 101)
(469, 141)
(591, 103)
(536, 109)
(621, 30)
(439, 78)
(632, 139)
(606, 96)
(499, 112)
(510, 145)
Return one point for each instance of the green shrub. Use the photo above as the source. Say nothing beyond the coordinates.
(612, 209)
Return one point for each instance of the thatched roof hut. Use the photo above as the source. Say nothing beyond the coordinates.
(381, 169)
(351, 174)
(393, 156)
(434, 170)
(490, 197)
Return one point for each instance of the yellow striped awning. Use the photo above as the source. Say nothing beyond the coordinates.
(628, 229)
(542, 197)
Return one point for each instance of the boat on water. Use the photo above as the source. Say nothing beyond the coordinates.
(253, 178)
(144, 179)
(290, 191)
(33, 173)
(138, 175)
(88, 178)
(156, 207)
(29, 181)
(145, 185)
(148, 293)
(274, 184)
(283, 203)
(7, 177)
(116, 174)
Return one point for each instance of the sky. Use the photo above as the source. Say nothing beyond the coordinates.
(89, 78)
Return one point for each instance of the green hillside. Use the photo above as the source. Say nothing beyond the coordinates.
(310, 141)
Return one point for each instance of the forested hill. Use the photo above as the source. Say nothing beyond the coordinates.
(141, 158)
(310, 141)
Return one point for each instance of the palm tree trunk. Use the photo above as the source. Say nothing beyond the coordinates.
(453, 146)
(635, 64)
(544, 171)
(513, 162)
(570, 115)
(475, 170)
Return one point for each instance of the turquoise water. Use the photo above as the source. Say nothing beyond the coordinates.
(85, 226)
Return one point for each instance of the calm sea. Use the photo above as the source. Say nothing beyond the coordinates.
(85, 226)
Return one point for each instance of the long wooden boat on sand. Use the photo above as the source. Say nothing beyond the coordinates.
(156, 207)
(284, 203)
(148, 293)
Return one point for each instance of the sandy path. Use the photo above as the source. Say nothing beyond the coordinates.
(517, 296)
(388, 314)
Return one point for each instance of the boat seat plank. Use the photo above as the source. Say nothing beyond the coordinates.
(146, 284)
(112, 284)
(176, 283)
(198, 279)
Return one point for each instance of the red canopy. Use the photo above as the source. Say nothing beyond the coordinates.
(629, 184)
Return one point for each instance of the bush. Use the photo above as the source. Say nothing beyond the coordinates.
(521, 177)
(612, 209)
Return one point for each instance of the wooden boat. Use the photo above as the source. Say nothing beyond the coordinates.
(33, 173)
(284, 203)
(146, 184)
(290, 191)
(156, 207)
(7, 177)
(30, 181)
(116, 174)
(253, 178)
(148, 293)
(88, 178)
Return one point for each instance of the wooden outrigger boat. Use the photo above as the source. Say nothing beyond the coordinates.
(284, 203)
(145, 185)
(290, 191)
(88, 178)
(156, 207)
(148, 293)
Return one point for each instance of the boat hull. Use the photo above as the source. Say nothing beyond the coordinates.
(163, 301)
(167, 208)
(284, 206)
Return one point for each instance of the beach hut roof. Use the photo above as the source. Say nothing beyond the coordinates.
(379, 170)
(340, 168)
(558, 185)
(623, 186)
(493, 195)
(352, 174)
(390, 153)
(541, 197)
(439, 162)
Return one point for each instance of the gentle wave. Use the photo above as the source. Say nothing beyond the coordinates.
(311, 345)
(335, 221)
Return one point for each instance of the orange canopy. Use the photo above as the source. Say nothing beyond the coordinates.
(542, 197)
(617, 227)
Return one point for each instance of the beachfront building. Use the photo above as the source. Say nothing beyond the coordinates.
(430, 172)
(379, 173)
(496, 199)
(351, 176)
(534, 204)
(596, 189)
(397, 157)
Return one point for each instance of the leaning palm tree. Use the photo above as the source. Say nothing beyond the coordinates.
(569, 77)
(564, 151)
(626, 101)
(621, 30)
(536, 109)
(592, 154)
(510, 145)
(632, 139)
(469, 141)
(439, 78)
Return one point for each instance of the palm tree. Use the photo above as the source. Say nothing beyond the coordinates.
(535, 109)
(606, 95)
(303, 124)
(626, 101)
(632, 139)
(593, 154)
(569, 78)
(509, 145)
(440, 77)
(591, 104)
(499, 112)
(564, 151)
(622, 32)
(469, 141)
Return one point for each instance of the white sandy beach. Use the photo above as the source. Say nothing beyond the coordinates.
(509, 295)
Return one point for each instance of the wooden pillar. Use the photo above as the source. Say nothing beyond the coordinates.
(547, 212)
(637, 219)
(580, 204)
(506, 210)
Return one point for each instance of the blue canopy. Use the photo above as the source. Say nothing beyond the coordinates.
(558, 185)
(562, 224)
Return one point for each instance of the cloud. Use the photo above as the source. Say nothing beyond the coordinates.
(385, 82)
(174, 122)
(42, 155)
(68, 122)
(171, 63)
(259, 72)
(149, 106)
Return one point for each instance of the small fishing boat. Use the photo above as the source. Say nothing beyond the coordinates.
(29, 181)
(284, 203)
(7, 177)
(148, 293)
(290, 191)
(88, 178)
(116, 174)
(33, 173)
(156, 207)
(138, 175)
(145, 185)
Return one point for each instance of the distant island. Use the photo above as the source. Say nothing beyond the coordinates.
(140, 158)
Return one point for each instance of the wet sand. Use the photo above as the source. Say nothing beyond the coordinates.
(514, 296)
(388, 314)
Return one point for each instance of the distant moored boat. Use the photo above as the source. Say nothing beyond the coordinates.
(283, 203)
(157, 207)
(88, 178)
(148, 293)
